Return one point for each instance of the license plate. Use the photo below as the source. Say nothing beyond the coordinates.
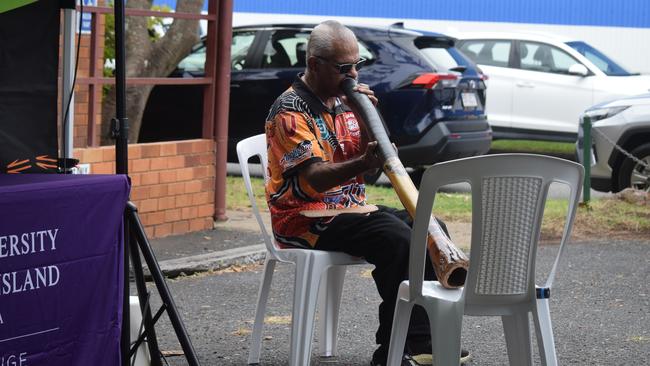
(469, 100)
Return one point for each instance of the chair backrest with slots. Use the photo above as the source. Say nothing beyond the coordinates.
(509, 193)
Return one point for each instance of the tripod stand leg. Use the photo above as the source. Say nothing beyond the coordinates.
(161, 285)
(125, 337)
(152, 341)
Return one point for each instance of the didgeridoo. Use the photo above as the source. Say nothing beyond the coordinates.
(449, 263)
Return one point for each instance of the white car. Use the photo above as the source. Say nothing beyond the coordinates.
(626, 123)
(539, 84)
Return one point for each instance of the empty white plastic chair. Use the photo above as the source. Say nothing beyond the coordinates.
(509, 193)
(315, 269)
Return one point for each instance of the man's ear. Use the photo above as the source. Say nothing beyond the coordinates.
(312, 63)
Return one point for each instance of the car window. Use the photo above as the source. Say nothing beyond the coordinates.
(562, 60)
(364, 52)
(241, 43)
(285, 48)
(288, 48)
(543, 57)
(604, 63)
(194, 63)
(441, 53)
(487, 52)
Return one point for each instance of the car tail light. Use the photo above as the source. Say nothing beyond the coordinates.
(430, 80)
(484, 77)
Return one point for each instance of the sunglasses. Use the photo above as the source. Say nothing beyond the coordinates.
(345, 68)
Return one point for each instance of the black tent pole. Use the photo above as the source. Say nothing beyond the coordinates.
(122, 127)
(120, 133)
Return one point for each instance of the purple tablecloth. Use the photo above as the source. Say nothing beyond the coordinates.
(61, 269)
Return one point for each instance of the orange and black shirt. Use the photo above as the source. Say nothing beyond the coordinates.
(301, 130)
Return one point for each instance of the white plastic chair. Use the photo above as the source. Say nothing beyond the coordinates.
(508, 196)
(319, 276)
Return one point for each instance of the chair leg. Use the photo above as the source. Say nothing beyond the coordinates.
(544, 331)
(262, 297)
(308, 274)
(446, 321)
(517, 333)
(329, 303)
(399, 329)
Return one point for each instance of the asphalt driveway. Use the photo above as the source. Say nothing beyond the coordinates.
(599, 307)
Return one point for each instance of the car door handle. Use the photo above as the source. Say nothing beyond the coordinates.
(525, 84)
(234, 85)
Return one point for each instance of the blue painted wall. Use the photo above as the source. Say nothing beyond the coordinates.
(609, 13)
(606, 13)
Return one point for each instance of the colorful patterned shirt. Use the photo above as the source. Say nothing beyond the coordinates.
(301, 130)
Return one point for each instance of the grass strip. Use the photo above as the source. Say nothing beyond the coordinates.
(603, 218)
(532, 146)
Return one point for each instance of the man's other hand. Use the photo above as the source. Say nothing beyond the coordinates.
(371, 157)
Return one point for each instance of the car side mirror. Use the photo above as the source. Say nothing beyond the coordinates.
(578, 69)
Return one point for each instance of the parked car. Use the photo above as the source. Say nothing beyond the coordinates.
(431, 96)
(539, 84)
(625, 122)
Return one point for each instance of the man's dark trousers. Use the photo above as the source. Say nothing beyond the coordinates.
(382, 238)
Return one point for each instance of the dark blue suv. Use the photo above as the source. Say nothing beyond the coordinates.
(431, 97)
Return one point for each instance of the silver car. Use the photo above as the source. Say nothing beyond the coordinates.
(540, 83)
(620, 131)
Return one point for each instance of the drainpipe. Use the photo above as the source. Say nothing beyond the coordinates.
(222, 101)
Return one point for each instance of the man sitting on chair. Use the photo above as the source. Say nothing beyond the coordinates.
(318, 152)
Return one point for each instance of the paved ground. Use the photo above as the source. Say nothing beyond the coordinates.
(600, 309)
(599, 305)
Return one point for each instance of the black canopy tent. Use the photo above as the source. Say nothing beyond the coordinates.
(29, 50)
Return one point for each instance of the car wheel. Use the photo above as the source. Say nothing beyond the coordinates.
(633, 174)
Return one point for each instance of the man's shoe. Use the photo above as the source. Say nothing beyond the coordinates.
(420, 360)
(427, 358)
(420, 352)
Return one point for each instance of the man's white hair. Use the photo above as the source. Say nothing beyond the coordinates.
(322, 38)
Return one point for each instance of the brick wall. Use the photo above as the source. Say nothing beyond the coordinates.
(172, 182)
